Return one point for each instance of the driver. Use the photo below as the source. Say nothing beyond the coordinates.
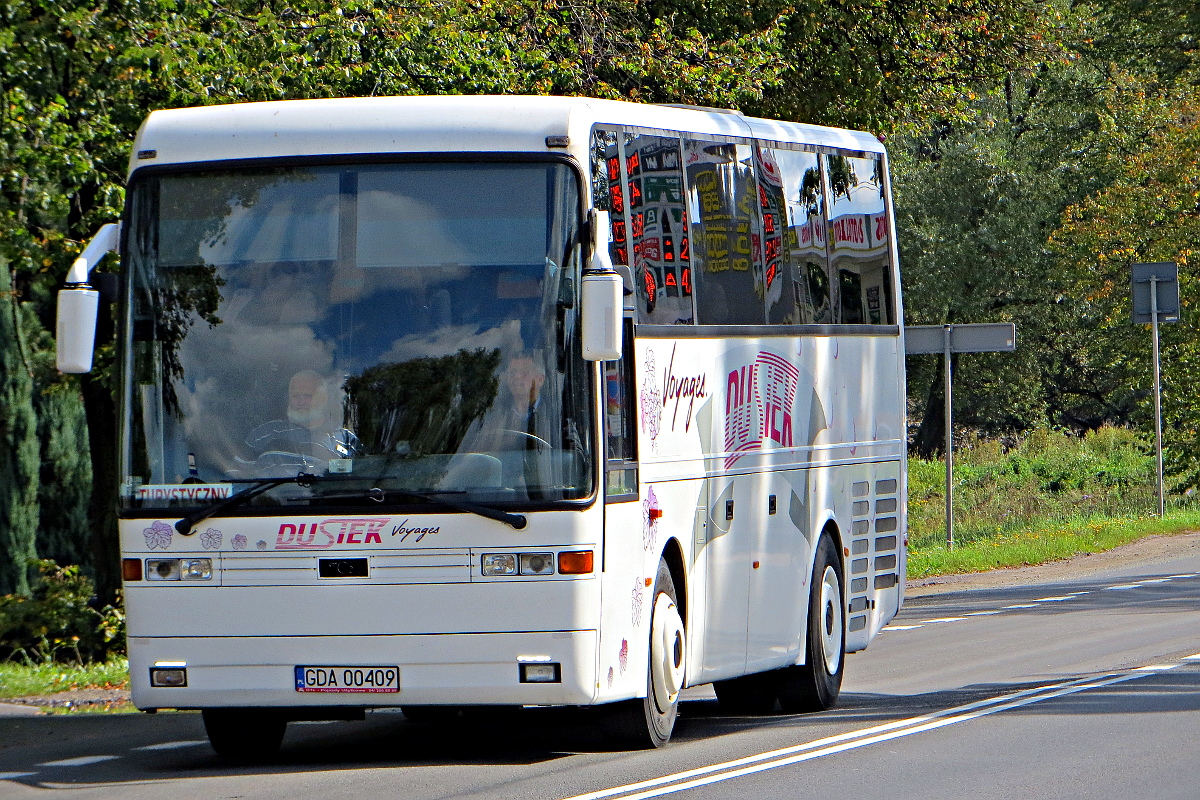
(308, 431)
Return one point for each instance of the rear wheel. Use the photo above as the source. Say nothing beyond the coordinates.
(814, 685)
(648, 722)
(244, 734)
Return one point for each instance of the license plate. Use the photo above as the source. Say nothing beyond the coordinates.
(354, 680)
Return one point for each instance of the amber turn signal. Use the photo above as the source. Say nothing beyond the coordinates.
(575, 562)
(131, 569)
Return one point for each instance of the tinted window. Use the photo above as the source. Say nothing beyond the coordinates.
(658, 232)
(859, 240)
(796, 264)
(725, 233)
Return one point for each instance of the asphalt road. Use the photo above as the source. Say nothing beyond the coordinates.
(1079, 688)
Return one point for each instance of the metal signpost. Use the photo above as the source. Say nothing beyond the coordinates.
(1155, 289)
(988, 337)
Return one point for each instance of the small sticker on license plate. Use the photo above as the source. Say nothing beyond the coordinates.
(360, 680)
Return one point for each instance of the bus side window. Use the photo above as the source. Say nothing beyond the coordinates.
(620, 425)
(859, 240)
(658, 231)
(725, 227)
(792, 204)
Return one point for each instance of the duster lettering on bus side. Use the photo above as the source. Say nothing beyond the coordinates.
(322, 535)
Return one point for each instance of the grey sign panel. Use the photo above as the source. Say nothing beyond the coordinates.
(984, 337)
(1166, 284)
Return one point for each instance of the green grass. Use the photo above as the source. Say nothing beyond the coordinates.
(1051, 497)
(20, 680)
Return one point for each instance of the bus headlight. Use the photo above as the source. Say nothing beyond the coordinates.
(499, 564)
(196, 569)
(176, 569)
(162, 569)
(537, 563)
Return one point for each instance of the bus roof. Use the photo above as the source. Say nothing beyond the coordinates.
(446, 123)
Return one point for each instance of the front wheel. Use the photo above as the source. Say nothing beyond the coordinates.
(244, 734)
(647, 722)
(814, 685)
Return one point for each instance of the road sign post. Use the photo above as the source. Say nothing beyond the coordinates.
(988, 337)
(1155, 291)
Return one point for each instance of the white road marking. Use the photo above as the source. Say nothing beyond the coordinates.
(1024, 605)
(1157, 668)
(8, 776)
(1192, 658)
(1052, 599)
(902, 627)
(1124, 586)
(173, 745)
(1157, 580)
(81, 761)
(703, 776)
(982, 613)
(941, 619)
(1189, 575)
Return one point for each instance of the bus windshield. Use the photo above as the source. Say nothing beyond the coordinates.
(404, 326)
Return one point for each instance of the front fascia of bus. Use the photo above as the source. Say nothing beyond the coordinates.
(398, 331)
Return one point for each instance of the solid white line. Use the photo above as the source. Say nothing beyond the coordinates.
(172, 745)
(829, 740)
(81, 761)
(839, 748)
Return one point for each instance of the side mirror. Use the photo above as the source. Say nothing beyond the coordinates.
(79, 304)
(601, 297)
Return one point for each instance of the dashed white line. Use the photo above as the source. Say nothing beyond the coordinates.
(9, 776)
(1053, 599)
(1192, 658)
(981, 613)
(1123, 586)
(81, 761)
(1157, 580)
(941, 619)
(902, 627)
(1023, 605)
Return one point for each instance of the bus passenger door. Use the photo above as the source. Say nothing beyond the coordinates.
(727, 578)
(778, 580)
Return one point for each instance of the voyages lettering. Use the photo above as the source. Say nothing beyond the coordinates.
(403, 531)
(678, 387)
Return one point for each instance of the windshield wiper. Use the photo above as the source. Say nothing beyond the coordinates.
(517, 521)
(185, 525)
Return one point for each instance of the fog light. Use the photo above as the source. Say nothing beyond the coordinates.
(168, 677)
(162, 569)
(196, 569)
(499, 564)
(548, 672)
(537, 563)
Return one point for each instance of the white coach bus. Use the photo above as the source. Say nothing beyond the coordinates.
(437, 402)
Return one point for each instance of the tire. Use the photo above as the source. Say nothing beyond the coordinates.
(647, 722)
(814, 685)
(749, 694)
(244, 734)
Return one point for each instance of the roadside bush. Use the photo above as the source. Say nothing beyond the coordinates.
(57, 621)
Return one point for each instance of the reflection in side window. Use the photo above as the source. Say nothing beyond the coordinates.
(797, 277)
(658, 230)
(726, 240)
(858, 240)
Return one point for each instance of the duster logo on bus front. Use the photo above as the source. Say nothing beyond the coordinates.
(321, 535)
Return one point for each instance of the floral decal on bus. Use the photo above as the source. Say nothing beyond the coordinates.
(637, 595)
(238, 542)
(651, 512)
(651, 400)
(211, 539)
(158, 535)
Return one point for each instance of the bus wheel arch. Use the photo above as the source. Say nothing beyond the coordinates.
(647, 722)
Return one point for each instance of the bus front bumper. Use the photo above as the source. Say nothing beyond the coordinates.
(434, 669)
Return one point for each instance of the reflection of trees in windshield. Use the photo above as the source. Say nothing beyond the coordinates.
(181, 296)
(422, 406)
